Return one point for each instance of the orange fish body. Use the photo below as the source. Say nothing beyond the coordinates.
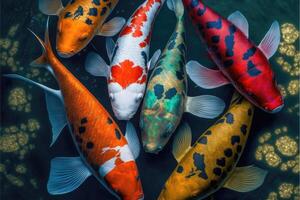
(100, 142)
(79, 22)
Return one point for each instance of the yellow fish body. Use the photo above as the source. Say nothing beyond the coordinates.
(80, 21)
(211, 162)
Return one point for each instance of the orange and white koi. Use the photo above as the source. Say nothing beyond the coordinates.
(104, 152)
(129, 63)
(80, 21)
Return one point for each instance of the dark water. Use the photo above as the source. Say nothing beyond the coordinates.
(154, 169)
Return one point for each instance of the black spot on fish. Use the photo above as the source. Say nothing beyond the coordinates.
(181, 48)
(200, 165)
(229, 118)
(170, 93)
(96, 2)
(83, 120)
(93, 12)
(249, 111)
(217, 171)
(68, 14)
(144, 55)
(215, 24)
(103, 11)
(239, 148)
(72, 1)
(228, 152)
(194, 3)
(244, 129)
(252, 70)
(179, 75)
(109, 120)
(220, 121)
(200, 11)
(228, 63)
(249, 53)
(203, 140)
(208, 132)
(180, 169)
(109, 4)
(156, 72)
(229, 41)
(89, 145)
(158, 91)
(118, 134)
(215, 39)
(78, 12)
(171, 45)
(81, 129)
(235, 139)
(221, 162)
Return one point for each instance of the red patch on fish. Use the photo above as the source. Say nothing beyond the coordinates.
(146, 41)
(138, 20)
(126, 73)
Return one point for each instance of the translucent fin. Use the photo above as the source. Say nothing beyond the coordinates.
(55, 106)
(176, 6)
(152, 62)
(57, 115)
(182, 141)
(50, 7)
(246, 179)
(66, 174)
(271, 41)
(240, 21)
(95, 65)
(112, 27)
(110, 46)
(205, 106)
(204, 77)
(132, 140)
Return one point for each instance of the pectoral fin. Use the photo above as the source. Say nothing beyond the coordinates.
(152, 62)
(246, 179)
(50, 7)
(133, 140)
(204, 77)
(205, 106)
(95, 65)
(66, 174)
(112, 27)
(240, 21)
(270, 43)
(110, 46)
(182, 141)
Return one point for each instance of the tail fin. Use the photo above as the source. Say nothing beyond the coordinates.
(176, 6)
(42, 61)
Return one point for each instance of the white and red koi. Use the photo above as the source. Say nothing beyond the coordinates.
(129, 61)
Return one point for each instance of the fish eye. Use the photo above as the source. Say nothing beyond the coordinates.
(111, 96)
(139, 97)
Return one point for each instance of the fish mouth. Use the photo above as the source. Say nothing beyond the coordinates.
(276, 110)
(64, 55)
(122, 115)
(152, 148)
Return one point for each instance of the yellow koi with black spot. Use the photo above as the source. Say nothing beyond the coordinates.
(80, 21)
(211, 162)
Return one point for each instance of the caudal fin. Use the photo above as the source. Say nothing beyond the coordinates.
(42, 61)
(176, 6)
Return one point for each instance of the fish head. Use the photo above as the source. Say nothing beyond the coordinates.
(125, 101)
(156, 128)
(263, 92)
(72, 36)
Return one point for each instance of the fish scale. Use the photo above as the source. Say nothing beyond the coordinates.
(213, 157)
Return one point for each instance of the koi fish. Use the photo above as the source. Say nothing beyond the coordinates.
(211, 162)
(103, 150)
(80, 21)
(166, 95)
(240, 61)
(129, 63)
